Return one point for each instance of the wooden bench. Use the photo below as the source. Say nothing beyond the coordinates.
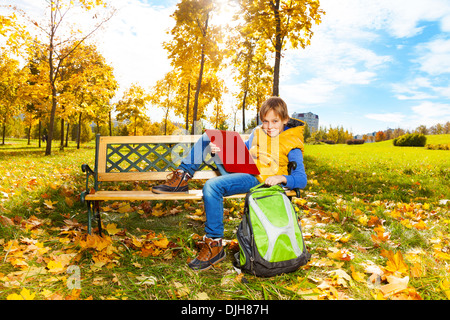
(141, 158)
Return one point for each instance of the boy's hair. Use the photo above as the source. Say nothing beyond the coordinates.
(277, 105)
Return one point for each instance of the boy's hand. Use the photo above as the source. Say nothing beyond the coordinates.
(274, 180)
(214, 148)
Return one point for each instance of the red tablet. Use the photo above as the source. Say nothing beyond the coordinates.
(233, 152)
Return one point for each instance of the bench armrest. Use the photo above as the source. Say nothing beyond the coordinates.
(89, 172)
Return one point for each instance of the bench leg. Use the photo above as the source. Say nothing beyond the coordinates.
(98, 216)
(93, 211)
(89, 216)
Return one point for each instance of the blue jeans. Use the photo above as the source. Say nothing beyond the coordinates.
(216, 188)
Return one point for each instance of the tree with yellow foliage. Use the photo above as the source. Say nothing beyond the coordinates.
(133, 105)
(12, 78)
(253, 73)
(57, 31)
(280, 22)
(194, 47)
(87, 86)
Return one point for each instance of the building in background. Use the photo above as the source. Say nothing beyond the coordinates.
(310, 118)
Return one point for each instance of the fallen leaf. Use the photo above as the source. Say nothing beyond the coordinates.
(68, 201)
(340, 277)
(395, 285)
(343, 254)
(357, 276)
(445, 287)
(202, 296)
(112, 229)
(124, 209)
(25, 294)
(181, 290)
(395, 262)
(49, 204)
(162, 243)
(146, 280)
(55, 266)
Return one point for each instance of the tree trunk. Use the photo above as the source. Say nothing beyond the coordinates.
(48, 150)
(79, 131)
(39, 135)
(197, 92)
(199, 81)
(52, 78)
(4, 133)
(187, 107)
(61, 147)
(243, 111)
(278, 47)
(67, 134)
(29, 135)
(110, 124)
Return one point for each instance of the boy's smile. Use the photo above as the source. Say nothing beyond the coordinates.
(272, 124)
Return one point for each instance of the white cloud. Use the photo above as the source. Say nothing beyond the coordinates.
(312, 92)
(443, 91)
(132, 42)
(392, 118)
(427, 113)
(430, 110)
(348, 76)
(414, 89)
(434, 57)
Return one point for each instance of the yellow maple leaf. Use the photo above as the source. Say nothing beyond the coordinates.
(395, 262)
(441, 255)
(157, 212)
(198, 212)
(343, 254)
(406, 223)
(112, 229)
(55, 266)
(162, 243)
(421, 225)
(357, 276)
(49, 204)
(124, 209)
(25, 294)
(445, 286)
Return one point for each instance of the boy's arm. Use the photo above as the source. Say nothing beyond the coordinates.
(297, 178)
(248, 143)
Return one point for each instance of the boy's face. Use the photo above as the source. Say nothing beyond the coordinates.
(272, 123)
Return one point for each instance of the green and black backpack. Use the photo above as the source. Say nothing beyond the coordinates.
(269, 235)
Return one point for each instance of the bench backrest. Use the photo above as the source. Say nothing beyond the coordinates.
(133, 158)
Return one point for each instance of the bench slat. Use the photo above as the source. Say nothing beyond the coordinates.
(149, 176)
(149, 195)
(149, 139)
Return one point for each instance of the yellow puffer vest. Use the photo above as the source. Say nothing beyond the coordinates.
(271, 153)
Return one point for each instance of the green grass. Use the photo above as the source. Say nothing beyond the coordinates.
(349, 187)
(380, 170)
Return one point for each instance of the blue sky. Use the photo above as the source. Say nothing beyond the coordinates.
(372, 65)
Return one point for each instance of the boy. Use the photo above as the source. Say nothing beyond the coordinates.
(272, 145)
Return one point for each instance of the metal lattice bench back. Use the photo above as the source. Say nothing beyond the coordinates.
(142, 157)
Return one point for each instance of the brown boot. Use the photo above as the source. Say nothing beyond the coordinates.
(177, 181)
(212, 252)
